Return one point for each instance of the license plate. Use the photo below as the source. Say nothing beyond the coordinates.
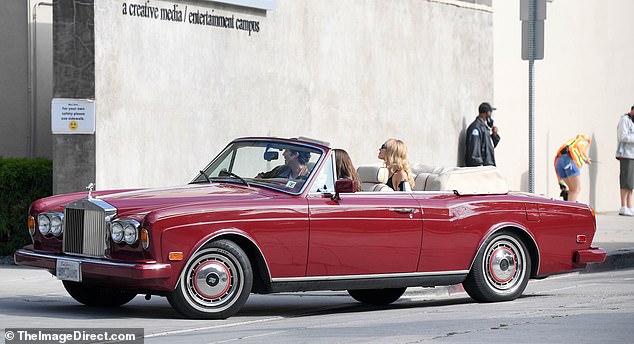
(68, 270)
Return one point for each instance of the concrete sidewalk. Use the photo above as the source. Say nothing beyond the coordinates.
(615, 234)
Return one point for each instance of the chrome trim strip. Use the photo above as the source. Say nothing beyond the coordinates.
(89, 260)
(371, 276)
(52, 212)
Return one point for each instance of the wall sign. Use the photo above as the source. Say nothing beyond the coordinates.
(177, 12)
(261, 4)
(72, 116)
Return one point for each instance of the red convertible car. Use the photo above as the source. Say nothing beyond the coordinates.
(270, 215)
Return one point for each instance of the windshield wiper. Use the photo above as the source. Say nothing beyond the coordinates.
(231, 174)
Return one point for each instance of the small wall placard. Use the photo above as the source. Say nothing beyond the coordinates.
(72, 116)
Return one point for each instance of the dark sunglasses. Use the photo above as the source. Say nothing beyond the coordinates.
(383, 146)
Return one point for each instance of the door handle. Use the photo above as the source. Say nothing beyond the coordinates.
(403, 210)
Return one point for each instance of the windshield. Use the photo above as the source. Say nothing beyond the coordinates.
(279, 165)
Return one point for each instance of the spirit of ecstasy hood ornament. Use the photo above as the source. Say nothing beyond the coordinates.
(90, 189)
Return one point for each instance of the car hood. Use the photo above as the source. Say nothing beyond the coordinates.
(146, 200)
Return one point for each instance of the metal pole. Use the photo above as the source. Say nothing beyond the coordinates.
(32, 60)
(531, 126)
(29, 58)
(531, 95)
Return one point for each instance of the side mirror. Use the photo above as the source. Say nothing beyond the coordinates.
(343, 186)
(269, 156)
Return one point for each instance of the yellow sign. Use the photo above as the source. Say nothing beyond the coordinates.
(72, 125)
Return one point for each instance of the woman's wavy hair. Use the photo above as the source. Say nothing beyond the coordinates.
(396, 158)
(345, 168)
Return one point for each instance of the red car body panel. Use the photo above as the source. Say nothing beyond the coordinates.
(361, 234)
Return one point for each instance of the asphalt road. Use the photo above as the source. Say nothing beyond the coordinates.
(571, 308)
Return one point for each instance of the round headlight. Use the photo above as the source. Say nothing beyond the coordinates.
(43, 224)
(116, 232)
(129, 233)
(57, 226)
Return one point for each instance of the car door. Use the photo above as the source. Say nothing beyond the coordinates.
(363, 233)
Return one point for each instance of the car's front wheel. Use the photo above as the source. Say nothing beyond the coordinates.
(215, 283)
(97, 296)
(377, 297)
(501, 269)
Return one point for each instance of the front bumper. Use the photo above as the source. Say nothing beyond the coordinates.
(150, 275)
(591, 255)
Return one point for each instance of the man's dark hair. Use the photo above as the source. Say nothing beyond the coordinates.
(302, 156)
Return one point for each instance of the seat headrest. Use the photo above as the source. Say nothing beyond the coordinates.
(372, 174)
(421, 180)
(380, 188)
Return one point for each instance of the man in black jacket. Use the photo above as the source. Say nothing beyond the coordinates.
(482, 138)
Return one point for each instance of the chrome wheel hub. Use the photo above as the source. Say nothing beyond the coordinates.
(211, 279)
(502, 265)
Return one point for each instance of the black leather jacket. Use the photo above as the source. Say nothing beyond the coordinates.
(480, 144)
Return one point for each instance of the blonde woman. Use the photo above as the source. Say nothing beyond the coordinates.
(394, 153)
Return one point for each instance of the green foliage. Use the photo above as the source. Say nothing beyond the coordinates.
(21, 182)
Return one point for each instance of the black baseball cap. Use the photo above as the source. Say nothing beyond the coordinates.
(485, 107)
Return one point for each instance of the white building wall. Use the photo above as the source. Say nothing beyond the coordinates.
(583, 85)
(170, 95)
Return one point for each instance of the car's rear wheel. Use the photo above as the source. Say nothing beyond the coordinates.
(215, 283)
(501, 269)
(98, 296)
(377, 296)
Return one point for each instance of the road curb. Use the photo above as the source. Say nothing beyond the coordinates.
(617, 259)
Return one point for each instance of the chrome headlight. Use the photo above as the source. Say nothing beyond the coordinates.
(43, 224)
(57, 225)
(125, 230)
(130, 233)
(50, 222)
(116, 232)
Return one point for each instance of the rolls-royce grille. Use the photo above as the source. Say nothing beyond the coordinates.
(85, 228)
